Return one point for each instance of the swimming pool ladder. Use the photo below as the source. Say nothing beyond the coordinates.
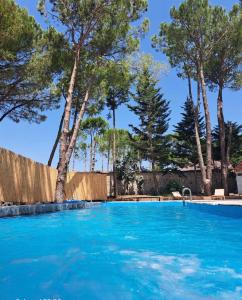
(184, 190)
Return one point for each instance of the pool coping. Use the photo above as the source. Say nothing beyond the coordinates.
(231, 202)
(36, 209)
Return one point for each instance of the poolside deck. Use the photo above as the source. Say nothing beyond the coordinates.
(218, 202)
(230, 200)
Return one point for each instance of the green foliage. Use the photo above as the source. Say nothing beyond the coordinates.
(173, 186)
(185, 149)
(99, 34)
(118, 84)
(193, 35)
(96, 25)
(153, 112)
(140, 61)
(235, 154)
(210, 36)
(123, 145)
(224, 66)
(29, 58)
(128, 172)
(94, 126)
(18, 30)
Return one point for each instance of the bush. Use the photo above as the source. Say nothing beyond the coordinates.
(173, 186)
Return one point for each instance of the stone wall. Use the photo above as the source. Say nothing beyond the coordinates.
(187, 179)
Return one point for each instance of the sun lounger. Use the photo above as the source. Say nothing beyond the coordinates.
(177, 195)
(219, 194)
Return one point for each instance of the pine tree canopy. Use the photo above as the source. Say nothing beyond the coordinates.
(153, 112)
(185, 140)
(29, 58)
(233, 132)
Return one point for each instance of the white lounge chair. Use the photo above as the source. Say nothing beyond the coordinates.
(219, 194)
(176, 194)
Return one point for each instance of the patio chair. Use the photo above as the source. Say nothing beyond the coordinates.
(177, 195)
(218, 194)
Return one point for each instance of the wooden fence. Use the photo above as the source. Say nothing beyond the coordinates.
(23, 180)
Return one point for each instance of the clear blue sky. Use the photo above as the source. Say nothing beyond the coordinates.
(35, 141)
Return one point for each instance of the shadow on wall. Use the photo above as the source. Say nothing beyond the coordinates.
(23, 180)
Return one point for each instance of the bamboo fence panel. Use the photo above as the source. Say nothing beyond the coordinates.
(23, 180)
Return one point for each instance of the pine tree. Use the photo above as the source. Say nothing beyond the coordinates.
(185, 145)
(233, 143)
(29, 60)
(94, 127)
(97, 33)
(153, 112)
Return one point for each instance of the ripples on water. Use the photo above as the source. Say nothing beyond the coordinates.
(122, 251)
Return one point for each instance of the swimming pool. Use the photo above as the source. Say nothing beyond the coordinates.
(122, 251)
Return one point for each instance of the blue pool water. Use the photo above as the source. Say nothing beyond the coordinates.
(122, 251)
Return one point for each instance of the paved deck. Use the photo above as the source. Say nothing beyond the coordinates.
(230, 200)
(218, 202)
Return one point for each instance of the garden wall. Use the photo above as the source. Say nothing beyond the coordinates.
(186, 178)
(23, 180)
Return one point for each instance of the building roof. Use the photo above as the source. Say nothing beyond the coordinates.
(238, 168)
(215, 165)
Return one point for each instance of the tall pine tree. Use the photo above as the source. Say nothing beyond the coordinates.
(185, 146)
(153, 112)
(186, 149)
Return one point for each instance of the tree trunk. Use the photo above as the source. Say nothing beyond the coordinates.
(115, 184)
(103, 157)
(85, 161)
(189, 87)
(73, 163)
(230, 132)
(62, 165)
(108, 160)
(198, 141)
(208, 185)
(224, 166)
(66, 151)
(52, 154)
(76, 127)
(94, 155)
(195, 175)
(156, 190)
(91, 153)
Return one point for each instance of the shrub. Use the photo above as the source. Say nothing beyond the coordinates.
(173, 186)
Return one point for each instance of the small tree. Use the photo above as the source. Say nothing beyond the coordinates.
(123, 145)
(82, 148)
(94, 127)
(117, 94)
(153, 112)
(128, 172)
